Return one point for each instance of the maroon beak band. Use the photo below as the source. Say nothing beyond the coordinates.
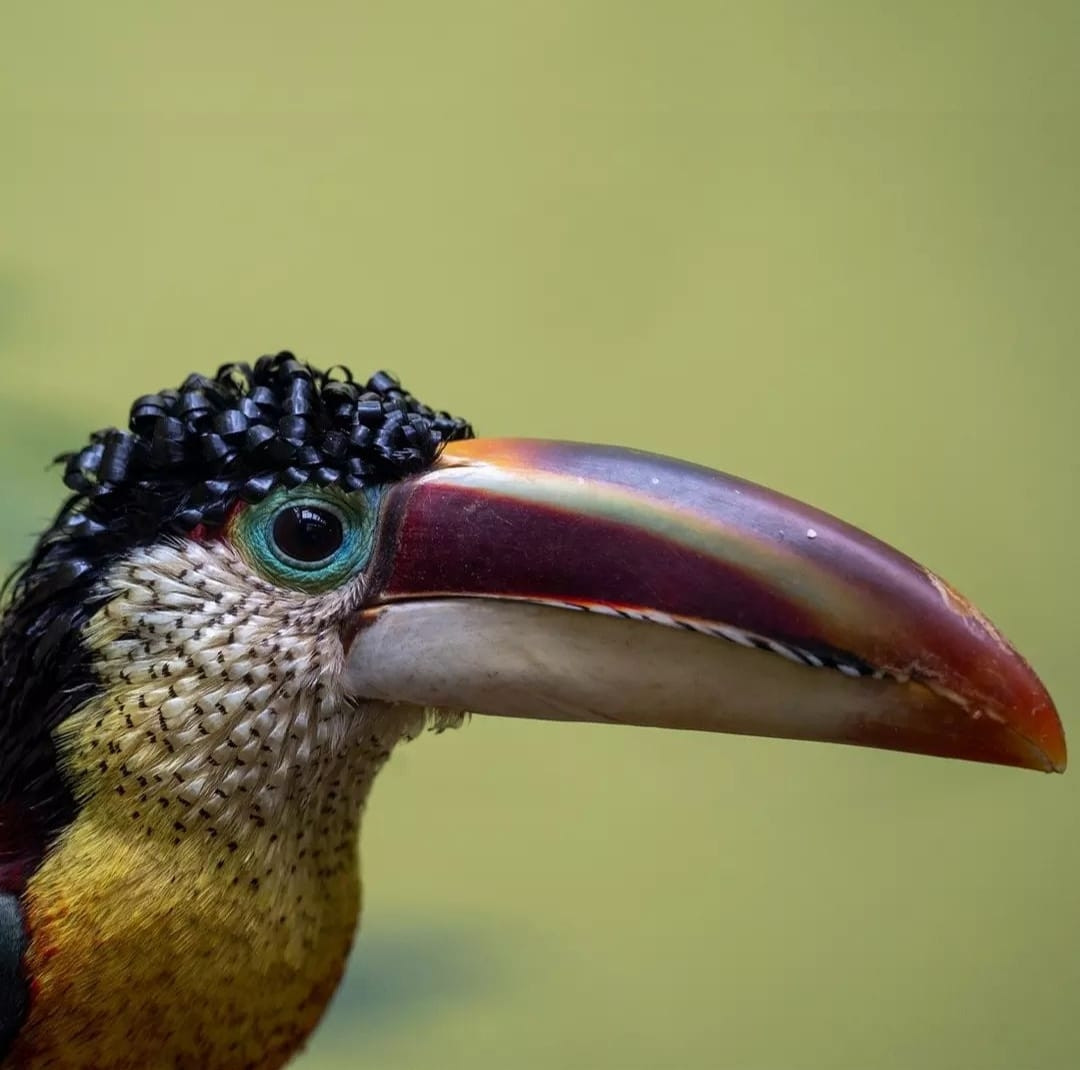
(580, 582)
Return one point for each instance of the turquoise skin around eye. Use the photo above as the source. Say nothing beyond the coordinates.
(252, 533)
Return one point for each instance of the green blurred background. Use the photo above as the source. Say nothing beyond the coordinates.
(832, 247)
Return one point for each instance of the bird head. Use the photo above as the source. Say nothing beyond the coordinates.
(273, 575)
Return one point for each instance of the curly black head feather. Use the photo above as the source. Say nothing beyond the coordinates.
(188, 455)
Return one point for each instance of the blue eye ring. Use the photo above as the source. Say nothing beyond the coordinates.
(330, 534)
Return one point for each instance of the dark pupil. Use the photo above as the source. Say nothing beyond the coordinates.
(307, 533)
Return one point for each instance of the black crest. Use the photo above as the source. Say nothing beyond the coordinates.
(190, 453)
(187, 456)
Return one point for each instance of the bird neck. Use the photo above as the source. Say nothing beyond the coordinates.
(235, 927)
(212, 866)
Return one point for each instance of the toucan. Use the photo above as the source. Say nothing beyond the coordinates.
(275, 575)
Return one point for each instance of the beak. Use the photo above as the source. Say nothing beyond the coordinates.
(570, 582)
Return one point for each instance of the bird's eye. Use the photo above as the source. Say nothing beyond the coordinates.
(308, 538)
(308, 534)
